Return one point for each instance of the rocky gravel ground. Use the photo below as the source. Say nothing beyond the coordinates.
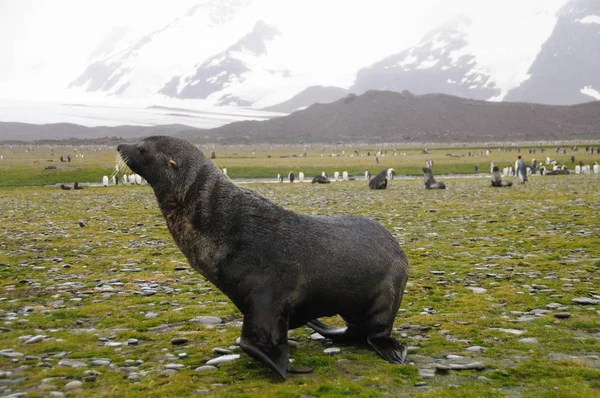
(503, 298)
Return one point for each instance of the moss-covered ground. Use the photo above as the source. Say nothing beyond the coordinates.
(489, 268)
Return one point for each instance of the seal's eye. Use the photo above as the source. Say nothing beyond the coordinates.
(141, 150)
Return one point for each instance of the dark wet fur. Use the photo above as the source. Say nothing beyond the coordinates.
(281, 269)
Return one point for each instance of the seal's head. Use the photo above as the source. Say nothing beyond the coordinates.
(168, 164)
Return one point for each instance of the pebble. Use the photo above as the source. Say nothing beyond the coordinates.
(205, 368)
(332, 351)
(179, 340)
(206, 320)
(221, 351)
(529, 340)
(100, 362)
(421, 384)
(223, 359)
(73, 385)
(151, 315)
(72, 363)
(441, 368)
(174, 366)
(427, 373)
(478, 290)
(527, 319)
(468, 366)
(35, 339)
(475, 348)
(132, 342)
(317, 337)
(10, 354)
(57, 394)
(516, 332)
(585, 301)
(562, 315)
(452, 357)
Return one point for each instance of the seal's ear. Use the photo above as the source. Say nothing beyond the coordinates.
(173, 163)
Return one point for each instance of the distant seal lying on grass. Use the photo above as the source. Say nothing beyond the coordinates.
(430, 182)
(380, 181)
(281, 269)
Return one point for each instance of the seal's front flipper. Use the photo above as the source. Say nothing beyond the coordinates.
(264, 334)
(276, 357)
(389, 348)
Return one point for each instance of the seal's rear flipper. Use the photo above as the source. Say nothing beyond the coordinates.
(342, 335)
(389, 348)
(327, 331)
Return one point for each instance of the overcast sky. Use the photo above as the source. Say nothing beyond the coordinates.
(46, 44)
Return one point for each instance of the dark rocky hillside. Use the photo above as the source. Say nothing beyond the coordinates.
(405, 117)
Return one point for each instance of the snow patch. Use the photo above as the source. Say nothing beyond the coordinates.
(589, 91)
(410, 59)
(590, 19)
(427, 64)
(451, 81)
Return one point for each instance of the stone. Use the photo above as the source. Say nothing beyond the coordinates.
(206, 368)
(223, 359)
(35, 339)
(71, 363)
(174, 366)
(221, 351)
(100, 362)
(475, 348)
(585, 301)
(332, 351)
(179, 340)
(427, 373)
(206, 320)
(468, 366)
(478, 290)
(441, 368)
(73, 385)
(562, 315)
(529, 340)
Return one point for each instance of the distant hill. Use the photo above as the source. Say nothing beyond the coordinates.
(375, 116)
(13, 131)
(309, 96)
(406, 117)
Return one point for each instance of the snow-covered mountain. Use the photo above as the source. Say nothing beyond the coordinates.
(135, 67)
(222, 77)
(440, 63)
(235, 53)
(566, 69)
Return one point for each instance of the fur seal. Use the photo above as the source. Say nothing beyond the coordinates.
(379, 181)
(281, 269)
(321, 180)
(430, 182)
(497, 180)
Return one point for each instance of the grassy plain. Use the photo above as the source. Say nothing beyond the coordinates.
(26, 166)
(533, 248)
